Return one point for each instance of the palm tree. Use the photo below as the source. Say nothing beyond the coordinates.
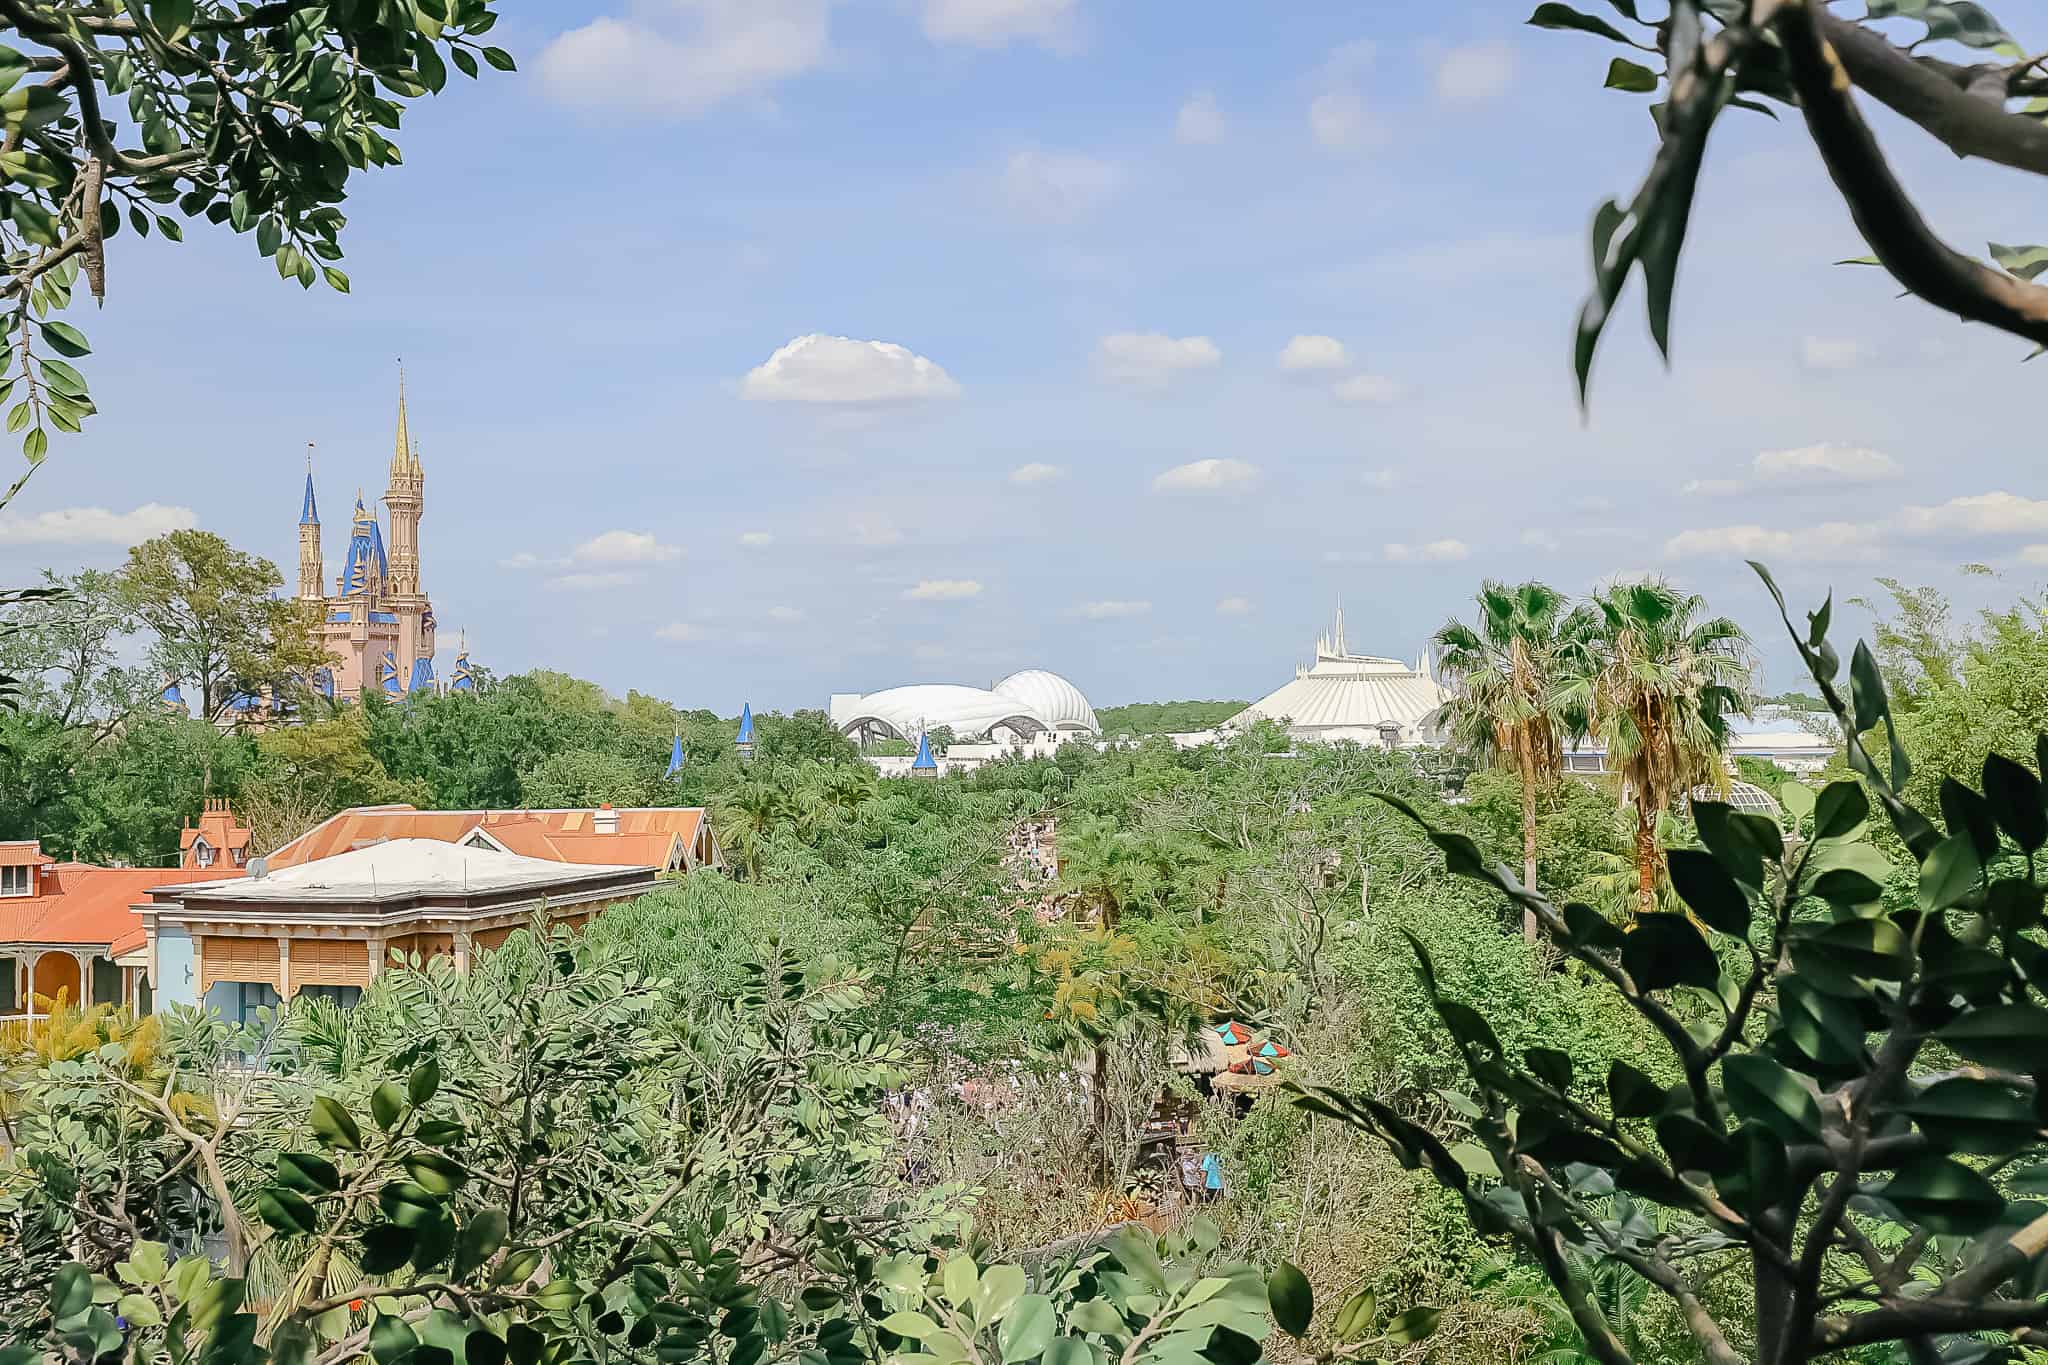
(748, 816)
(1658, 684)
(1504, 705)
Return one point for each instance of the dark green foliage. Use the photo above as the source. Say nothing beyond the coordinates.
(1143, 719)
(1781, 1111)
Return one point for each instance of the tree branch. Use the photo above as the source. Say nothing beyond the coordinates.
(1888, 219)
(1941, 97)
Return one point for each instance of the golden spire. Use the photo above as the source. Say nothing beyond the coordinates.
(401, 456)
(417, 472)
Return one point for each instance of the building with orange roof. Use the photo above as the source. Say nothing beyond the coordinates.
(218, 840)
(71, 931)
(671, 839)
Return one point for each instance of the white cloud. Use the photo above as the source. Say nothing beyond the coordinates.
(1205, 476)
(2034, 554)
(991, 23)
(680, 632)
(832, 369)
(1538, 539)
(1713, 488)
(943, 590)
(1474, 72)
(1833, 353)
(785, 615)
(97, 525)
(1234, 606)
(626, 547)
(1434, 552)
(756, 540)
(1826, 463)
(1380, 478)
(1312, 352)
(1828, 542)
(1982, 514)
(678, 58)
(1152, 359)
(525, 559)
(1111, 610)
(589, 582)
(1368, 388)
(1199, 121)
(1028, 474)
(1057, 187)
(1341, 122)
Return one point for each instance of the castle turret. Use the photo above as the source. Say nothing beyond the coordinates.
(405, 497)
(311, 568)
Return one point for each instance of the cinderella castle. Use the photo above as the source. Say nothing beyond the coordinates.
(378, 624)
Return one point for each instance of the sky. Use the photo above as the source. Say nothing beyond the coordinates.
(764, 349)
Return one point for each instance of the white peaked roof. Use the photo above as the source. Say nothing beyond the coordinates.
(1050, 696)
(1353, 696)
(403, 866)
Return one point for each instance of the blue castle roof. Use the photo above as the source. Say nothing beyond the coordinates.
(746, 734)
(464, 678)
(173, 695)
(365, 551)
(924, 761)
(309, 513)
(422, 674)
(389, 674)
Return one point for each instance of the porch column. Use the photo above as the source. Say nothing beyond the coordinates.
(83, 957)
(284, 968)
(462, 950)
(375, 948)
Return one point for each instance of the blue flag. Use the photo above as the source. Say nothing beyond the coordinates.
(675, 758)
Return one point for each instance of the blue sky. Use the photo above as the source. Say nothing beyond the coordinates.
(1088, 235)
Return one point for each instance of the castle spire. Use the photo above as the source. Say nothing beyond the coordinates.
(309, 510)
(311, 566)
(401, 455)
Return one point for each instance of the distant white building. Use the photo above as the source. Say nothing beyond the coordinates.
(1363, 698)
(1030, 705)
(1773, 737)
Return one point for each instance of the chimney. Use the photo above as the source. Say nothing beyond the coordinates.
(606, 820)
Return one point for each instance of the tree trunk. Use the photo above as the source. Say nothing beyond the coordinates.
(1528, 838)
(1646, 856)
(1099, 1102)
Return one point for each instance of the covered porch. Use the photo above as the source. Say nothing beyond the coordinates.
(34, 977)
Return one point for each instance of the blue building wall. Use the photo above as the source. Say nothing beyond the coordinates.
(177, 965)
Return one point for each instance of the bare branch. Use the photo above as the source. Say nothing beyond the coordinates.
(1886, 216)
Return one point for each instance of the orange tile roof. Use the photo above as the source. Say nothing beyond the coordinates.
(646, 835)
(220, 827)
(22, 853)
(89, 906)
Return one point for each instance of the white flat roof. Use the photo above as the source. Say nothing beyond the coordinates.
(400, 867)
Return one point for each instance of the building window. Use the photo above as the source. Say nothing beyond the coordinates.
(202, 853)
(251, 996)
(241, 856)
(17, 881)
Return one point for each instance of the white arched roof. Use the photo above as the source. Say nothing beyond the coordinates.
(1053, 697)
(969, 712)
